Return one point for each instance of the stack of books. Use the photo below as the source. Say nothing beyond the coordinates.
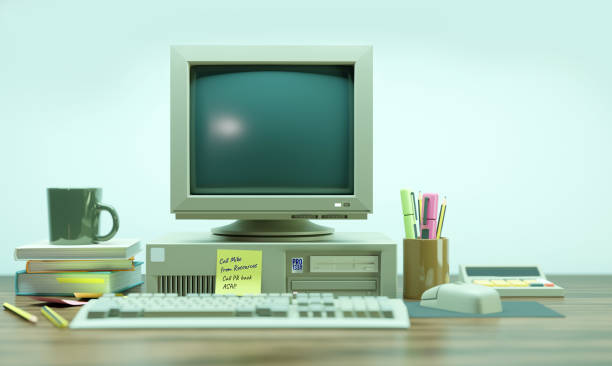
(62, 270)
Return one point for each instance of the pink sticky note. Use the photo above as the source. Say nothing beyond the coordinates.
(57, 300)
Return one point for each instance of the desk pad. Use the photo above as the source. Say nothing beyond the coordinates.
(511, 309)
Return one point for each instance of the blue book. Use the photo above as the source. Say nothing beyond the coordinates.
(67, 283)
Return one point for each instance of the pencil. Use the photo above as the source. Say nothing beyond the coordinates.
(441, 219)
(54, 317)
(22, 313)
(420, 213)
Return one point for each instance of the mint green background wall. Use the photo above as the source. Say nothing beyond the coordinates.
(515, 99)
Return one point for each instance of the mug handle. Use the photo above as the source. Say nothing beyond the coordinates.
(101, 207)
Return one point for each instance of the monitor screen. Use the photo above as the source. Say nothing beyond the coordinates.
(271, 130)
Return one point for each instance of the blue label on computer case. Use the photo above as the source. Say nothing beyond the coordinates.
(297, 265)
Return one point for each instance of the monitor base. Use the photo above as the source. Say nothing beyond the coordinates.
(272, 228)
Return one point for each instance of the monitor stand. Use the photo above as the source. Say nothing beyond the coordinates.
(298, 227)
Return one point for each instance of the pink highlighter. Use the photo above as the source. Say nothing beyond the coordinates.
(429, 216)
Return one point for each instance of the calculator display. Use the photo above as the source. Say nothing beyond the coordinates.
(502, 271)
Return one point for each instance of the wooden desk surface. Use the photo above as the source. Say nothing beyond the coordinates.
(583, 337)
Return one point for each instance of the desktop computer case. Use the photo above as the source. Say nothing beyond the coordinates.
(341, 263)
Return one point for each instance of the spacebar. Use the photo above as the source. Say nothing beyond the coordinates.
(195, 313)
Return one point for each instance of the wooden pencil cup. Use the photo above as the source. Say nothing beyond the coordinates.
(425, 265)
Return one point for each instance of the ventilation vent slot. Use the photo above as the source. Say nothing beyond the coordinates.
(336, 216)
(304, 216)
(188, 284)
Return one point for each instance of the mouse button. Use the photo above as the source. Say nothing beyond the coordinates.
(431, 294)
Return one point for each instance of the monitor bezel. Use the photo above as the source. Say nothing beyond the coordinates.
(353, 206)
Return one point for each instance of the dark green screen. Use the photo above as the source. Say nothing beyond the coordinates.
(271, 129)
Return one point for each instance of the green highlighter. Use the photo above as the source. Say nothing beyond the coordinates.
(409, 211)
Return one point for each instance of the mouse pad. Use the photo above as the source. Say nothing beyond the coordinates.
(511, 309)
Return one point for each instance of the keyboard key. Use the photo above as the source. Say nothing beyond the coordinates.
(164, 312)
(98, 311)
(373, 308)
(316, 309)
(113, 310)
(263, 310)
(130, 312)
(245, 311)
(387, 311)
(303, 311)
(279, 310)
(360, 309)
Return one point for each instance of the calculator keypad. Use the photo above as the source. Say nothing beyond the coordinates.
(513, 282)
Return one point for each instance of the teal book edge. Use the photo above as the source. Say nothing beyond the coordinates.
(136, 264)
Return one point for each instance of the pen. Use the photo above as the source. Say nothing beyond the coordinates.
(424, 230)
(54, 317)
(409, 214)
(416, 221)
(22, 313)
(441, 219)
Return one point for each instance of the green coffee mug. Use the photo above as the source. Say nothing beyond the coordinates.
(74, 214)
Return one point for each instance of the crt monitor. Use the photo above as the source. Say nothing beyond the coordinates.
(272, 136)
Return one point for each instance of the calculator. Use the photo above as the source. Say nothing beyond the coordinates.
(512, 280)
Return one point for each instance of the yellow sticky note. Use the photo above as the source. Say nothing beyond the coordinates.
(238, 272)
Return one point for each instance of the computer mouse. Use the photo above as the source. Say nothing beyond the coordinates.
(463, 298)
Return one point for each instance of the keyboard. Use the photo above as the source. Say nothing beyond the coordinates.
(300, 310)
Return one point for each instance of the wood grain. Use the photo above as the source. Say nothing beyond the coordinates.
(584, 337)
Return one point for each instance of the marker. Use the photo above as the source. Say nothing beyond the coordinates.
(430, 216)
(54, 317)
(424, 229)
(441, 219)
(22, 313)
(409, 214)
